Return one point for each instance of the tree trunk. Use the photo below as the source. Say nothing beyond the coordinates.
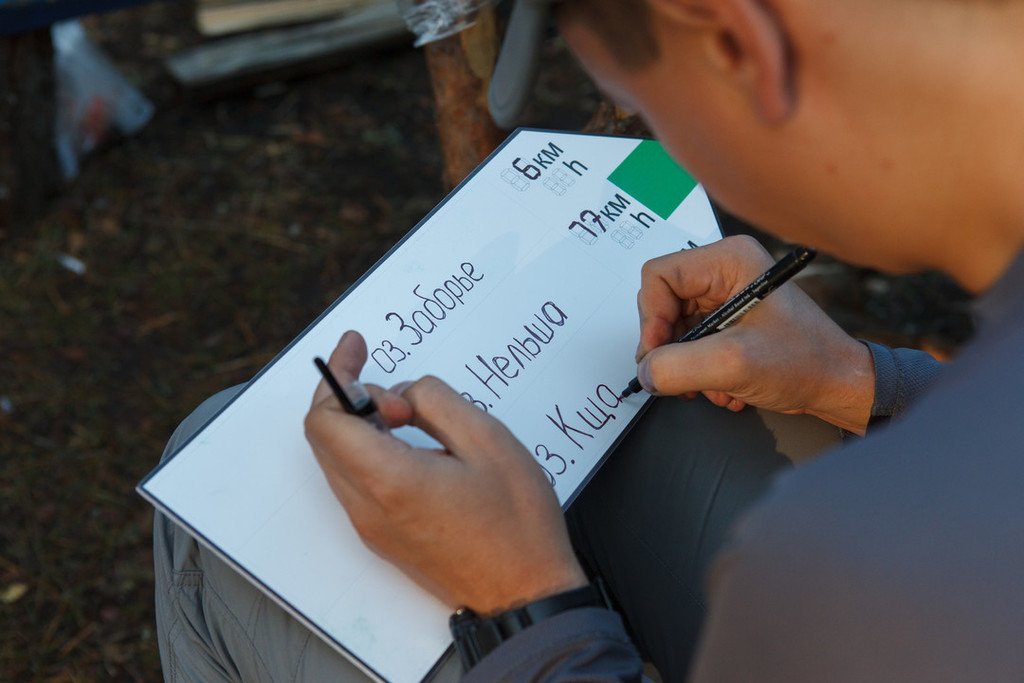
(460, 73)
(610, 120)
(28, 161)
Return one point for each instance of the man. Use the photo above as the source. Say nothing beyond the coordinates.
(887, 132)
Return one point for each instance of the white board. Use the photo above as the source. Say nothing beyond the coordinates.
(531, 269)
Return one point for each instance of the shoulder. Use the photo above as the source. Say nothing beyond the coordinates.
(897, 558)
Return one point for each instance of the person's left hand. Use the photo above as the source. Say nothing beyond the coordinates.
(478, 525)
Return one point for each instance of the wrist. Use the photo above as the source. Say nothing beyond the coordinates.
(849, 391)
(529, 590)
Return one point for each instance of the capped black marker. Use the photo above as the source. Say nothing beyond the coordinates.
(353, 397)
(747, 298)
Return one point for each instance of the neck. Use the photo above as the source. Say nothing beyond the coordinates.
(937, 133)
(982, 129)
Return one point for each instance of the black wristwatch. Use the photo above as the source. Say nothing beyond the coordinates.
(475, 637)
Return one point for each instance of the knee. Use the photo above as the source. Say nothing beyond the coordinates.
(199, 417)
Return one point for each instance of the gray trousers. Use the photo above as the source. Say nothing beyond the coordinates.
(648, 524)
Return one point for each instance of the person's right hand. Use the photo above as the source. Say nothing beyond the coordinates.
(786, 355)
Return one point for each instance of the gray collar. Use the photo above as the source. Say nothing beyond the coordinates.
(1005, 298)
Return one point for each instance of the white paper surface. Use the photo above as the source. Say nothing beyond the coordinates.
(248, 484)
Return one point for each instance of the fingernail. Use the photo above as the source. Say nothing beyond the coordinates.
(643, 373)
(400, 388)
(344, 337)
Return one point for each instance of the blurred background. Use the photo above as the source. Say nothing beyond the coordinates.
(241, 165)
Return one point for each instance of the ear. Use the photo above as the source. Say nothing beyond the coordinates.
(745, 41)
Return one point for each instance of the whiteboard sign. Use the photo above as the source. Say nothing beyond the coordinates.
(519, 290)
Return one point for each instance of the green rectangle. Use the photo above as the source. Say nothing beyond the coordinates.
(651, 176)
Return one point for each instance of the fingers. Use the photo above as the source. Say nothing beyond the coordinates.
(349, 356)
(393, 408)
(346, 362)
(658, 305)
(353, 449)
(685, 283)
(461, 427)
(349, 446)
(695, 367)
(725, 400)
(712, 364)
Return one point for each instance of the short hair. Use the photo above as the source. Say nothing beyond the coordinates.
(625, 27)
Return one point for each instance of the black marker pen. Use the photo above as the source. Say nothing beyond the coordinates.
(354, 398)
(736, 307)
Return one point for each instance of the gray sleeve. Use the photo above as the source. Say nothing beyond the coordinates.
(901, 375)
(583, 644)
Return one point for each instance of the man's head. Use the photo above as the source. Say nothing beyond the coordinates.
(852, 125)
(623, 25)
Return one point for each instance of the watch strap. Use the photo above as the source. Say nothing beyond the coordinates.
(475, 637)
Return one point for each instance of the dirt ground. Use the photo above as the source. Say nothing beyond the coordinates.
(209, 240)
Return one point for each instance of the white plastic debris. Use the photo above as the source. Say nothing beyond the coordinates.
(92, 97)
(69, 262)
(431, 20)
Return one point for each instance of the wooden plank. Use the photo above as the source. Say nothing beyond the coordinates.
(268, 52)
(221, 17)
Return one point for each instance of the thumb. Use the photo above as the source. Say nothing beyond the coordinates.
(711, 364)
(444, 414)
